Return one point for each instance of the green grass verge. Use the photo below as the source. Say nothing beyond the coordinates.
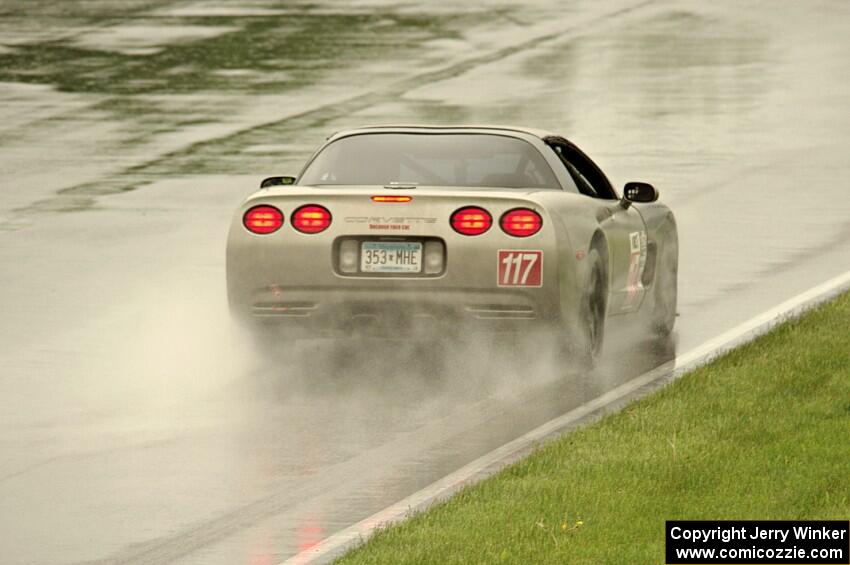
(762, 433)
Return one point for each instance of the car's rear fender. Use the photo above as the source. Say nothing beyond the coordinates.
(578, 224)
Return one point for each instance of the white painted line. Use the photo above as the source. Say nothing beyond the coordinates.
(485, 465)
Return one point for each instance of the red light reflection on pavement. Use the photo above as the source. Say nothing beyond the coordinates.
(309, 534)
(264, 556)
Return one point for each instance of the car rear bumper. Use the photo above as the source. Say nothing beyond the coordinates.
(335, 312)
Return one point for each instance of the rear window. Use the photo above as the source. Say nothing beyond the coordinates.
(473, 160)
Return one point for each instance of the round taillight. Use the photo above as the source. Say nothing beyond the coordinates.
(521, 222)
(471, 220)
(311, 218)
(262, 219)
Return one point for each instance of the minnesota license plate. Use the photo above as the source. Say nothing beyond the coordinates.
(391, 257)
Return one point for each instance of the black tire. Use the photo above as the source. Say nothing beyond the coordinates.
(666, 290)
(594, 309)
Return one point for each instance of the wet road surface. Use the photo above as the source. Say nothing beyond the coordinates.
(140, 426)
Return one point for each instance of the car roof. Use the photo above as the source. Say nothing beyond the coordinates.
(434, 128)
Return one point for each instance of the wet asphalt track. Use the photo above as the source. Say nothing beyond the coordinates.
(138, 426)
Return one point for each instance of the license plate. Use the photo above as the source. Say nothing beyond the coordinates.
(391, 257)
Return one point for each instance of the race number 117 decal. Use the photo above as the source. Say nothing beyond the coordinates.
(520, 268)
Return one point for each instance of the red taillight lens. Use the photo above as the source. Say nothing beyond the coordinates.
(521, 222)
(311, 218)
(471, 220)
(263, 219)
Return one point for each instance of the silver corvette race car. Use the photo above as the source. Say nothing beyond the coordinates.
(434, 231)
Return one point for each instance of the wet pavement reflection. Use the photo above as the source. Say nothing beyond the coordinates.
(139, 425)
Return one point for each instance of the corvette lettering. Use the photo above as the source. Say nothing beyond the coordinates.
(395, 223)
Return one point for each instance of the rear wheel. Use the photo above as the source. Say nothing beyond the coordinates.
(594, 306)
(590, 332)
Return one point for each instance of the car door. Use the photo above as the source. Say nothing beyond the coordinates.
(626, 233)
(623, 226)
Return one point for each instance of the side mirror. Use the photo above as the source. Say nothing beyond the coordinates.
(639, 192)
(277, 181)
